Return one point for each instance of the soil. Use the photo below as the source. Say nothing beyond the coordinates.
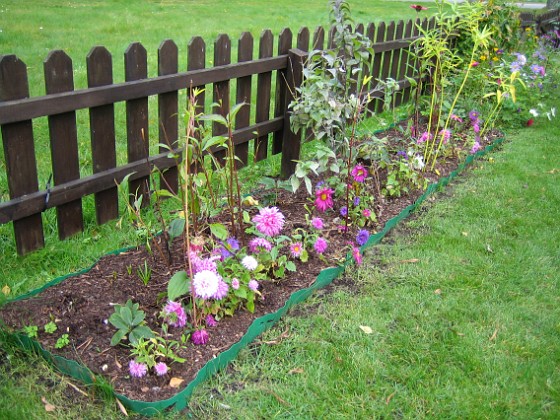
(81, 304)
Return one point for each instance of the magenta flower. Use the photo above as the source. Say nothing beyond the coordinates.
(456, 118)
(235, 284)
(476, 147)
(446, 134)
(200, 337)
(211, 321)
(296, 249)
(174, 314)
(424, 137)
(253, 285)
(257, 244)
(366, 212)
(205, 284)
(317, 223)
(222, 291)
(137, 370)
(362, 237)
(320, 245)
(269, 221)
(203, 264)
(359, 173)
(323, 199)
(249, 262)
(161, 369)
(356, 255)
(418, 7)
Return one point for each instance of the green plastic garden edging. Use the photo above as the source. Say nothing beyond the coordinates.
(179, 401)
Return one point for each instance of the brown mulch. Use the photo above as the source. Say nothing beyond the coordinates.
(81, 304)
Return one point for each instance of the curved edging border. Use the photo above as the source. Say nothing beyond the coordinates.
(179, 401)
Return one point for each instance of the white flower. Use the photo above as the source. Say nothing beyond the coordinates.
(205, 284)
(249, 262)
(418, 162)
(534, 112)
(551, 114)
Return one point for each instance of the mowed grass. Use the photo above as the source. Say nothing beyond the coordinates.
(462, 303)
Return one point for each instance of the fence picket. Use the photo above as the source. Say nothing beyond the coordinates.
(264, 82)
(19, 153)
(64, 142)
(168, 111)
(136, 68)
(319, 38)
(222, 57)
(284, 46)
(243, 95)
(376, 67)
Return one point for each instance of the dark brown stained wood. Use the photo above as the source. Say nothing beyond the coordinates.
(102, 127)
(330, 41)
(25, 109)
(319, 38)
(264, 82)
(366, 70)
(222, 57)
(291, 144)
(355, 76)
(64, 142)
(135, 68)
(405, 69)
(19, 154)
(30, 204)
(243, 95)
(386, 66)
(168, 111)
(376, 66)
(395, 61)
(303, 39)
(284, 46)
(196, 60)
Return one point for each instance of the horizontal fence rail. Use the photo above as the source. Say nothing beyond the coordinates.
(266, 83)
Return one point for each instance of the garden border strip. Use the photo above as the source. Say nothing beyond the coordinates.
(180, 400)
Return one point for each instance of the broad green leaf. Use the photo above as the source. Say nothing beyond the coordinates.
(290, 266)
(219, 231)
(138, 317)
(116, 320)
(117, 337)
(178, 285)
(176, 227)
(126, 315)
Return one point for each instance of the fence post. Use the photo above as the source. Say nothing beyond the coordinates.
(291, 142)
(19, 153)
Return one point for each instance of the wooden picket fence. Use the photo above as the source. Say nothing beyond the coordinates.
(269, 120)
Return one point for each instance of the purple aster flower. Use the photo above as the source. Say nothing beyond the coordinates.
(402, 154)
(137, 370)
(174, 314)
(249, 262)
(211, 321)
(200, 337)
(161, 369)
(317, 223)
(253, 285)
(359, 173)
(235, 284)
(205, 284)
(344, 211)
(476, 147)
(473, 115)
(362, 237)
(258, 244)
(269, 221)
(222, 291)
(320, 245)
(356, 201)
(296, 249)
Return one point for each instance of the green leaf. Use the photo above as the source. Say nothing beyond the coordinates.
(241, 293)
(116, 320)
(303, 257)
(176, 228)
(178, 285)
(290, 266)
(126, 315)
(138, 317)
(140, 332)
(117, 337)
(219, 231)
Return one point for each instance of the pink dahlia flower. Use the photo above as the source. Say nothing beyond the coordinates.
(205, 284)
(137, 370)
(211, 321)
(222, 291)
(249, 262)
(161, 369)
(253, 285)
(235, 284)
(269, 221)
(200, 337)
(323, 199)
(258, 244)
(174, 314)
(317, 223)
(320, 245)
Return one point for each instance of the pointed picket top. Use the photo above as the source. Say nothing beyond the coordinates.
(319, 38)
(303, 39)
(13, 78)
(136, 62)
(59, 76)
